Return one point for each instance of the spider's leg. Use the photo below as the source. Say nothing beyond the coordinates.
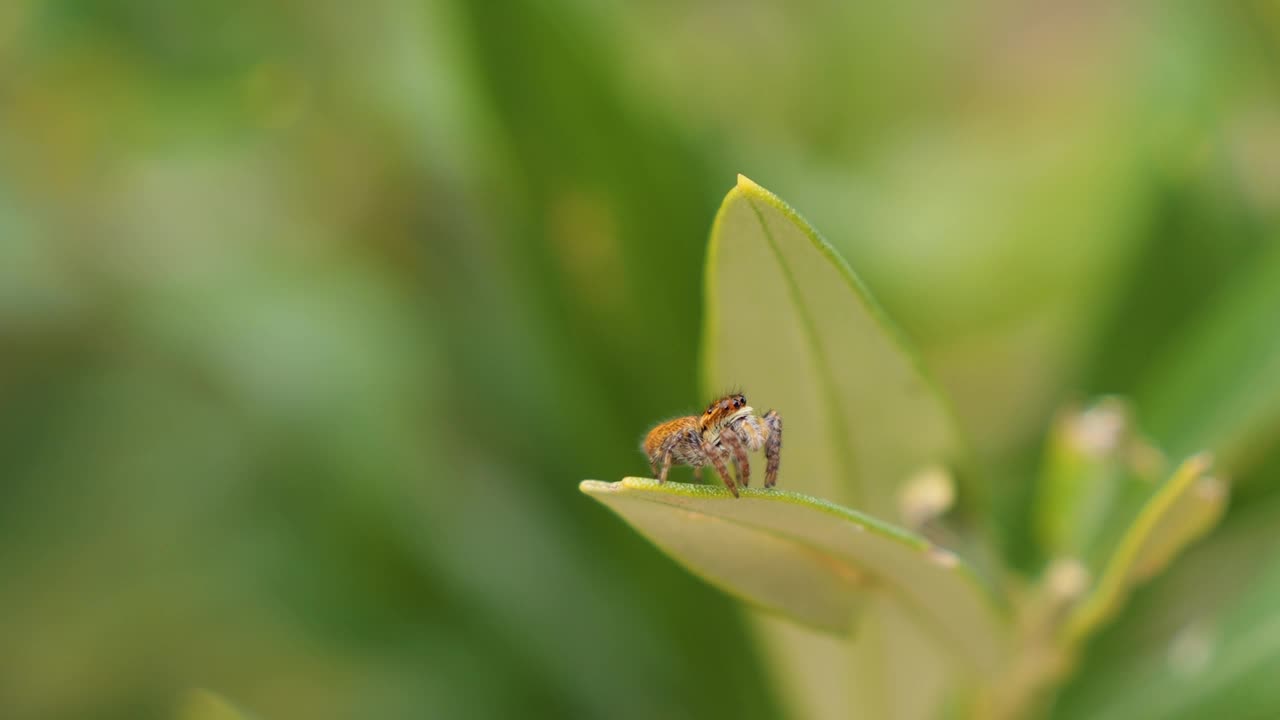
(717, 458)
(666, 466)
(733, 444)
(692, 453)
(772, 447)
(666, 452)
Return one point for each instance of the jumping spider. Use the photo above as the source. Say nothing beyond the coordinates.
(726, 431)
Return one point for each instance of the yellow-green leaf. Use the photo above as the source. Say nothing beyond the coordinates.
(789, 322)
(1220, 386)
(812, 560)
(1188, 505)
(206, 705)
(1098, 474)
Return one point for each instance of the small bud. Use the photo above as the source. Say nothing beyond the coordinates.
(1098, 431)
(929, 494)
(1067, 579)
(1211, 488)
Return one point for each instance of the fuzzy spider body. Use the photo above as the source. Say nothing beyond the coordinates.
(679, 441)
(724, 434)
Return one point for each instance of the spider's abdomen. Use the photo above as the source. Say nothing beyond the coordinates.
(653, 442)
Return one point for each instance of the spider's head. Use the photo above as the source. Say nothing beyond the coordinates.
(725, 409)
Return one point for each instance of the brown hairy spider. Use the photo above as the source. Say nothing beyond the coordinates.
(726, 431)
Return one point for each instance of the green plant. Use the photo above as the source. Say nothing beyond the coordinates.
(906, 608)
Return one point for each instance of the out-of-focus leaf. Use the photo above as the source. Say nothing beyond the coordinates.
(1069, 606)
(811, 559)
(207, 705)
(1186, 507)
(1220, 667)
(1220, 388)
(1097, 475)
(788, 321)
(1082, 465)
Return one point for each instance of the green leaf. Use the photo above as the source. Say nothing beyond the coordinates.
(789, 322)
(206, 705)
(1220, 388)
(1182, 510)
(1098, 473)
(1065, 609)
(1221, 662)
(811, 560)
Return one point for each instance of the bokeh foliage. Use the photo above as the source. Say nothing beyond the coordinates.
(311, 317)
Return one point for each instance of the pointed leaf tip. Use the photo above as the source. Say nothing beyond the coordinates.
(787, 318)
(589, 487)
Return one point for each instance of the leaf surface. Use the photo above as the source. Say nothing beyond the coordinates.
(202, 704)
(1220, 388)
(812, 560)
(789, 322)
(1219, 664)
(1187, 506)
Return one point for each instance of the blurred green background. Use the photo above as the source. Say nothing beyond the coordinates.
(312, 316)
